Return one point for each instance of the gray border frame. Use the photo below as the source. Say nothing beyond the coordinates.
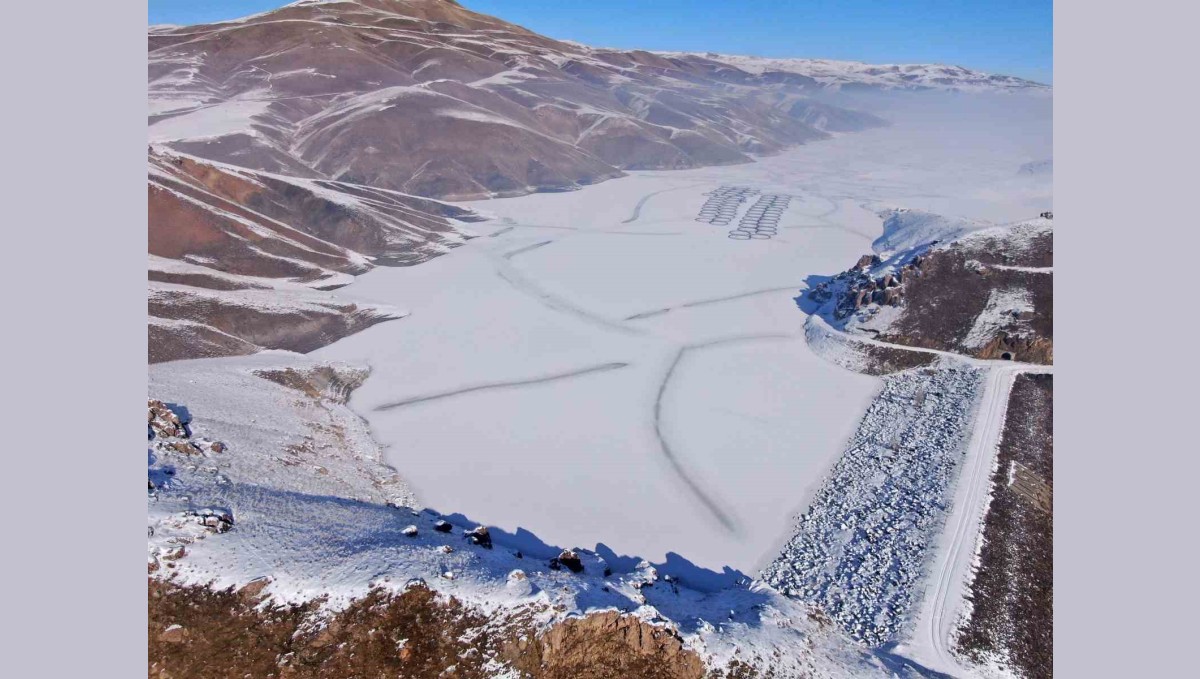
(75, 291)
(1125, 210)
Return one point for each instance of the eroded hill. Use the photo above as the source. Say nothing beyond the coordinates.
(430, 98)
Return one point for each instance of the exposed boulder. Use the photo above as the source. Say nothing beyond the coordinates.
(163, 421)
(867, 261)
(253, 590)
(606, 640)
(215, 520)
(185, 447)
(479, 536)
(174, 634)
(569, 559)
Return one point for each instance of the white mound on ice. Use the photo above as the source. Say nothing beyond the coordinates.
(905, 229)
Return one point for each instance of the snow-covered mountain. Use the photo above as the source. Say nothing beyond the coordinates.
(427, 97)
(587, 368)
(860, 76)
(289, 150)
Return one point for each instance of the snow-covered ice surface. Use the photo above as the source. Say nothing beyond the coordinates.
(600, 370)
(599, 361)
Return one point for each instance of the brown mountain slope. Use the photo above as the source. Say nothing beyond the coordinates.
(427, 97)
(243, 260)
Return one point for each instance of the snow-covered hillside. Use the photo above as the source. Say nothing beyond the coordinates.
(652, 397)
(856, 75)
(260, 475)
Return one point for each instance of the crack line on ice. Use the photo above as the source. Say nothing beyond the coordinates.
(501, 385)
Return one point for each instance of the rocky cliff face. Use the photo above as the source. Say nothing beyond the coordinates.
(988, 295)
(858, 288)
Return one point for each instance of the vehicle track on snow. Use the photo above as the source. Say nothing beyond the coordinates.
(527, 248)
(973, 487)
(714, 507)
(605, 367)
(609, 232)
(637, 209)
(949, 574)
(703, 302)
(509, 274)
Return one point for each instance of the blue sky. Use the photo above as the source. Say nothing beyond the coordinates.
(1009, 36)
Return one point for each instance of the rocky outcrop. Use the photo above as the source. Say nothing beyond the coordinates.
(1015, 348)
(170, 438)
(173, 634)
(866, 262)
(206, 633)
(621, 644)
(567, 559)
(479, 536)
(857, 288)
(215, 520)
(319, 382)
(988, 294)
(164, 422)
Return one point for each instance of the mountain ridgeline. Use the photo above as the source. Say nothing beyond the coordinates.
(429, 98)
